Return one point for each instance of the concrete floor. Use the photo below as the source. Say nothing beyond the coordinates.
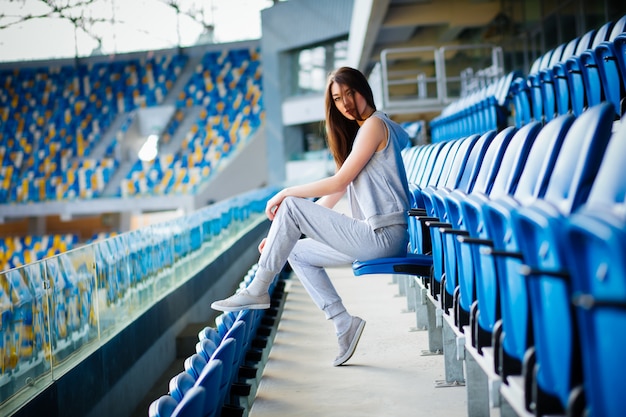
(387, 376)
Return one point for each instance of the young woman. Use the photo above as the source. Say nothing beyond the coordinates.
(366, 147)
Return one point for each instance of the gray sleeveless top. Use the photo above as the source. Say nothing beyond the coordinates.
(380, 193)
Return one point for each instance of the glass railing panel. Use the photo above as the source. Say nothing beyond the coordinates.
(73, 303)
(24, 332)
(56, 311)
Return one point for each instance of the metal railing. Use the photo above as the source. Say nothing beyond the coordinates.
(428, 78)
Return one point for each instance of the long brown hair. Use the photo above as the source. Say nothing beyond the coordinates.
(340, 131)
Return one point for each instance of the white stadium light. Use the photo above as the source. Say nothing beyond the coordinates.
(149, 149)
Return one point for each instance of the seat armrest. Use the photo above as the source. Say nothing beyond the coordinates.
(417, 212)
(438, 224)
(501, 253)
(475, 241)
(451, 231)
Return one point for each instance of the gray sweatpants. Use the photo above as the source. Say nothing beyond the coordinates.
(332, 239)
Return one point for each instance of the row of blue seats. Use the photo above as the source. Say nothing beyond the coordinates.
(519, 236)
(567, 79)
(222, 377)
(484, 109)
(574, 76)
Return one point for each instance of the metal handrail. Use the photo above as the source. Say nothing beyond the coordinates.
(420, 80)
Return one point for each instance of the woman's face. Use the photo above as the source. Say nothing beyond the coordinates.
(349, 102)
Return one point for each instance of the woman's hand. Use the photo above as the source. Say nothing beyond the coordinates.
(262, 245)
(273, 203)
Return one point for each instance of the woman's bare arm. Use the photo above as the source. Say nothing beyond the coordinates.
(372, 137)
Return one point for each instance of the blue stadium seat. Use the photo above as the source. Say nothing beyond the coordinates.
(238, 333)
(534, 82)
(556, 254)
(522, 109)
(224, 322)
(163, 406)
(620, 53)
(577, 74)
(592, 68)
(192, 403)
(521, 147)
(596, 245)
(225, 353)
(180, 384)
(567, 189)
(210, 379)
(468, 162)
(205, 348)
(606, 58)
(194, 365)
(477, 272)
(550, 87)
(482, 169)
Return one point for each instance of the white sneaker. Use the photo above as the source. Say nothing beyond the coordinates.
(349, 340)
(243, 300)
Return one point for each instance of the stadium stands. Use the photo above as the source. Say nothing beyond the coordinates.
(522, 270)
(232, 373)
(54, 119)
(52, 310)
(516, 229)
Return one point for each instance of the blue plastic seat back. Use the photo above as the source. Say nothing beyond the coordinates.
(620, 53)
(546, 83)
(163, 406)
(618, 29)
(211, 334)
(576, 75)
(559, 75)
(248, 317)
(411, 159)
(432, 177)
(456, 167)
(477, 274)
(478, 156)
(534, 82)
(210, 379)
(540, 234)
(225, 353)
(180, 384)
(597, 264)
(605, 55)
(205, 348)
(513, 158)
(433, 200)
(426, 164)
(609, 185)
(546, 244)
(192, 404)
(224, 322)
(534, 178)
(574, 171)
(562, 76)
(553, 81)
(505, 170)
(415, 160)
(445, 246)
(521, 101)
(481, 168)
(573, 175)
(194, 365)
(439, 178)
(478, 168)
(416, 235)
(238, 333)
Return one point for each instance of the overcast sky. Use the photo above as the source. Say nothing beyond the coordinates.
(140, 25)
